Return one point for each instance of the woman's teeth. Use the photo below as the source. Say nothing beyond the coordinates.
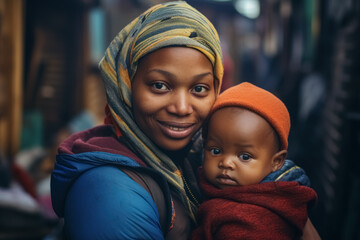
(176, 128)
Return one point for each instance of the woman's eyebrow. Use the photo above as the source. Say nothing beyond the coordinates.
(169, 74)
(202, 75)
(163, 72)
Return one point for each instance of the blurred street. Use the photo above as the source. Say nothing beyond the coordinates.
(305, 52)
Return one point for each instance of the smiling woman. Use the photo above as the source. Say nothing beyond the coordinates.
(134, 178)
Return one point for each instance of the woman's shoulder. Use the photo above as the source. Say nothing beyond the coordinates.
(97, 139)
(84, 152)
(110, 205)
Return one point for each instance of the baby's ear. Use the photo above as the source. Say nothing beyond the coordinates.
(278, 160)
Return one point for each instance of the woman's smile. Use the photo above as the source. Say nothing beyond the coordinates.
(176, 129)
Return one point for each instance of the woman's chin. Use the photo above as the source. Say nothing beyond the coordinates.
(174, 146)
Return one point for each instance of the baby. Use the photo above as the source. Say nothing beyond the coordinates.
(252, 191)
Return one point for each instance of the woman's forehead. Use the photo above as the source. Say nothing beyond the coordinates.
(176, 63)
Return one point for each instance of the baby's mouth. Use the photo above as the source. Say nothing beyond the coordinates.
(225, 179)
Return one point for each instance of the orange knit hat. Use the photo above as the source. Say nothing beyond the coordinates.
(260, 101)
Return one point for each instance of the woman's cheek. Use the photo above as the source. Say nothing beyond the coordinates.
(206, 107)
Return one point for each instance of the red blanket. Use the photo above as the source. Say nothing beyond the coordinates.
(272, 210)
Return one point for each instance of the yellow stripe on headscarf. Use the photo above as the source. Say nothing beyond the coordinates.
(124, 74)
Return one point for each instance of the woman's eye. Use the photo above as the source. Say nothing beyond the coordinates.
(199, 89)
(215, 151)
(245, 157)
(159, 86)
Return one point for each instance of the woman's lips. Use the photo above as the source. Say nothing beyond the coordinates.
(176, 130)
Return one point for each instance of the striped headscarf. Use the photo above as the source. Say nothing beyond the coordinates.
(163, 25)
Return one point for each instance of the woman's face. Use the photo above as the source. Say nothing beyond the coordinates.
(173, 91)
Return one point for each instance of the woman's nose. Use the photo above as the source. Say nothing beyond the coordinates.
(226, 163)
(181, 103)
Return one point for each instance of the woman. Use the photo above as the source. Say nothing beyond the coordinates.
(134, 178)
(129, 179)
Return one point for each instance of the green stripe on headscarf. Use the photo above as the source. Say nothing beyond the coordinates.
(164, 25)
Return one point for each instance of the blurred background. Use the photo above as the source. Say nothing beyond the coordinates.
(306, 52)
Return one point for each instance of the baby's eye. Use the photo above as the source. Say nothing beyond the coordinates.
(245, 156)
(159, 86)
(215, 151)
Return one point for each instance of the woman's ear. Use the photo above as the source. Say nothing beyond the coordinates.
(278, 160)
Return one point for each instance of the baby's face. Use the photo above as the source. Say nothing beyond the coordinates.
(239, 149)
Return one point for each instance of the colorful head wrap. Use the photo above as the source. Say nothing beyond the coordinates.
(260, 101)
(164, 25)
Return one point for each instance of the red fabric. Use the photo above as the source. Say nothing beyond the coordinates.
(24, 179)
(109, 119)
(272, 210)
(227, 80)
(100, 139)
